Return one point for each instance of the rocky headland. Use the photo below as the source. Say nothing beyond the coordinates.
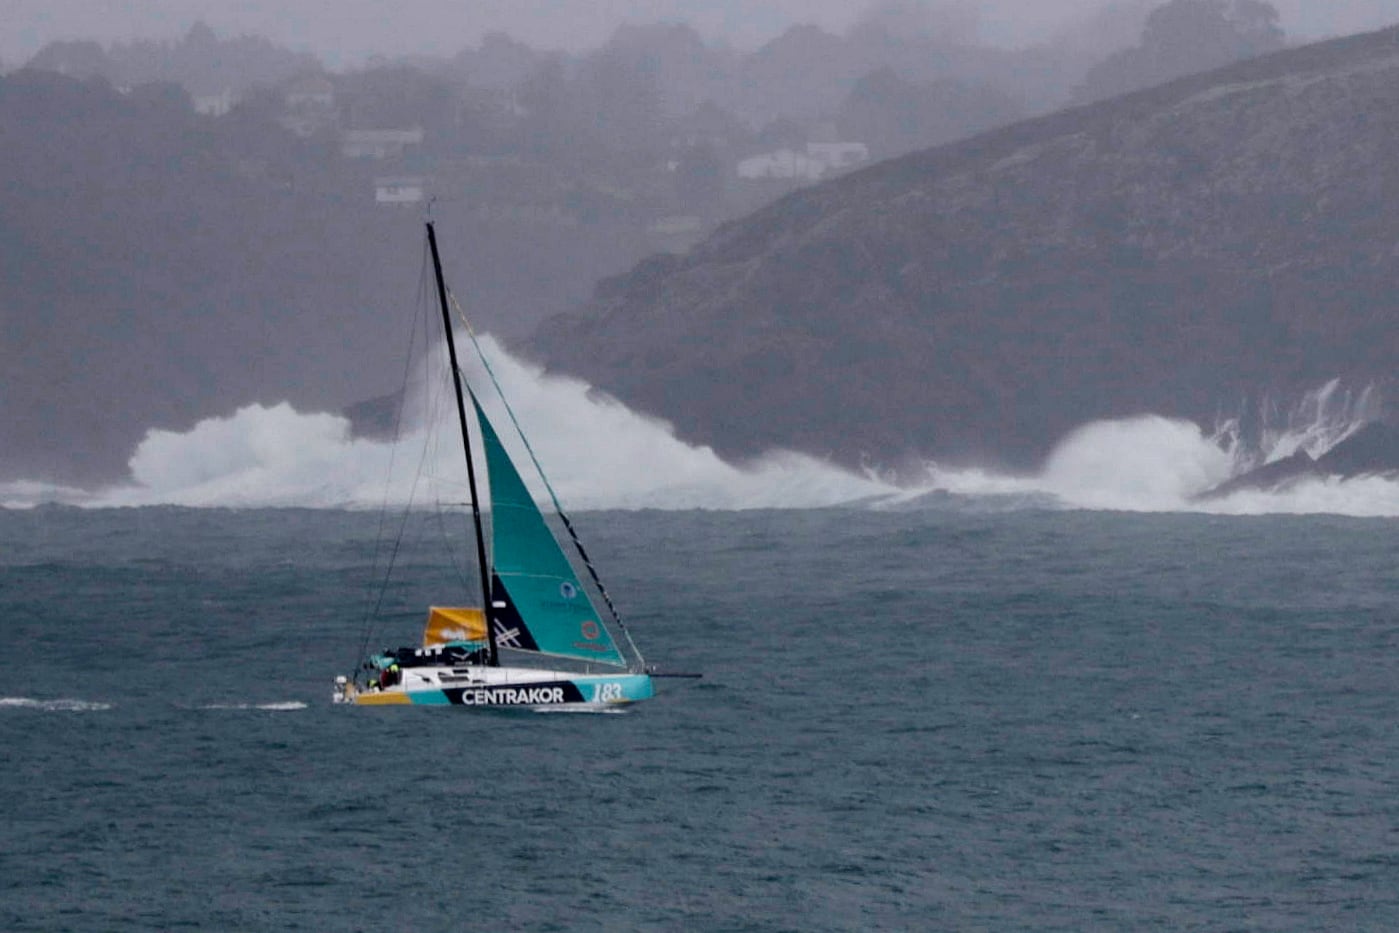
(1181, 251)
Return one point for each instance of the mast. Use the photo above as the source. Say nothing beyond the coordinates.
(492, 655)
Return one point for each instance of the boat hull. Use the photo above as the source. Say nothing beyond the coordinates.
(504, 687)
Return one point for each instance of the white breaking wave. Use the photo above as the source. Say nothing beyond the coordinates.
(597, 453)
(1359, 497)
(282, 707)
(600, 455)
(53, 706)
(1146, 464)
(1153, 464)
(1156, 464)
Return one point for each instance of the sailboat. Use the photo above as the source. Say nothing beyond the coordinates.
(540, 642)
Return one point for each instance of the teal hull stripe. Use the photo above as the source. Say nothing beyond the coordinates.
(627, 688)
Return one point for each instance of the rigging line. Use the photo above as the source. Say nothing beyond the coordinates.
(449, 541)
(558, 507)
(441, 402)
(438, 403)
(372, 612)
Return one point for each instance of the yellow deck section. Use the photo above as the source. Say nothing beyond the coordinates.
(393, 698)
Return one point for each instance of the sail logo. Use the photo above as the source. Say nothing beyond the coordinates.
(599, 647)
(590, 630)
(507, 637)
(512, 696)
(567, 590)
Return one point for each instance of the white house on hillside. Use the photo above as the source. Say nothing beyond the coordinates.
(784, 163)
(214, 105)
(379, 144)
(313, 92)
(308, 105)
(819, 160)
(400, 189)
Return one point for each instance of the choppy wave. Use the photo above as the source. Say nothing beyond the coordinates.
(599, 454)
(53, 706)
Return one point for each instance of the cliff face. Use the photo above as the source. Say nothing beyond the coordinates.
(1171, 251)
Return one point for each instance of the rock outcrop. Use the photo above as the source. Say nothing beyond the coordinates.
(1372, 449)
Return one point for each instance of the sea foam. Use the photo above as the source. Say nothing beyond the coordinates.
(599, 454)
(53, 706)
(596, 452)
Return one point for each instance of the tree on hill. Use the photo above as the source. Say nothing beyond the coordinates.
(606, 111)
(622, 101)
(914, 19)
(699, 179)
(1186, 37)
(201, 62)
(384, 98)
(76, 59)
(893, 116)
(500, 62)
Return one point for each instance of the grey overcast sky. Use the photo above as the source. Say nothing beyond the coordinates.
(344, 32)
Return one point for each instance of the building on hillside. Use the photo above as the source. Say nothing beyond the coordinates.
(400, 189)
(313, 92)
(215, 105)
(379, 144)
(308, 106)
(784, 163)
(817, 162)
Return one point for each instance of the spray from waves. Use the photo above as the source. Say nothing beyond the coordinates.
(53, 706)
(1358, 497)
(598, 454)
(1147, 464)
(1153, 464)
(1156, 464)
(1142, 464)
(1273, 429)
(285, 706)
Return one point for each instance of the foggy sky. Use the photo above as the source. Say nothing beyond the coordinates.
(345, 32)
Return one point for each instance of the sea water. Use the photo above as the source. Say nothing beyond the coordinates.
(940, 716)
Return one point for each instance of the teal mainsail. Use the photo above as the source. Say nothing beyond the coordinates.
(538, 603)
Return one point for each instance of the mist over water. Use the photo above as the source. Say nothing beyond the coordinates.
(598, 454)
